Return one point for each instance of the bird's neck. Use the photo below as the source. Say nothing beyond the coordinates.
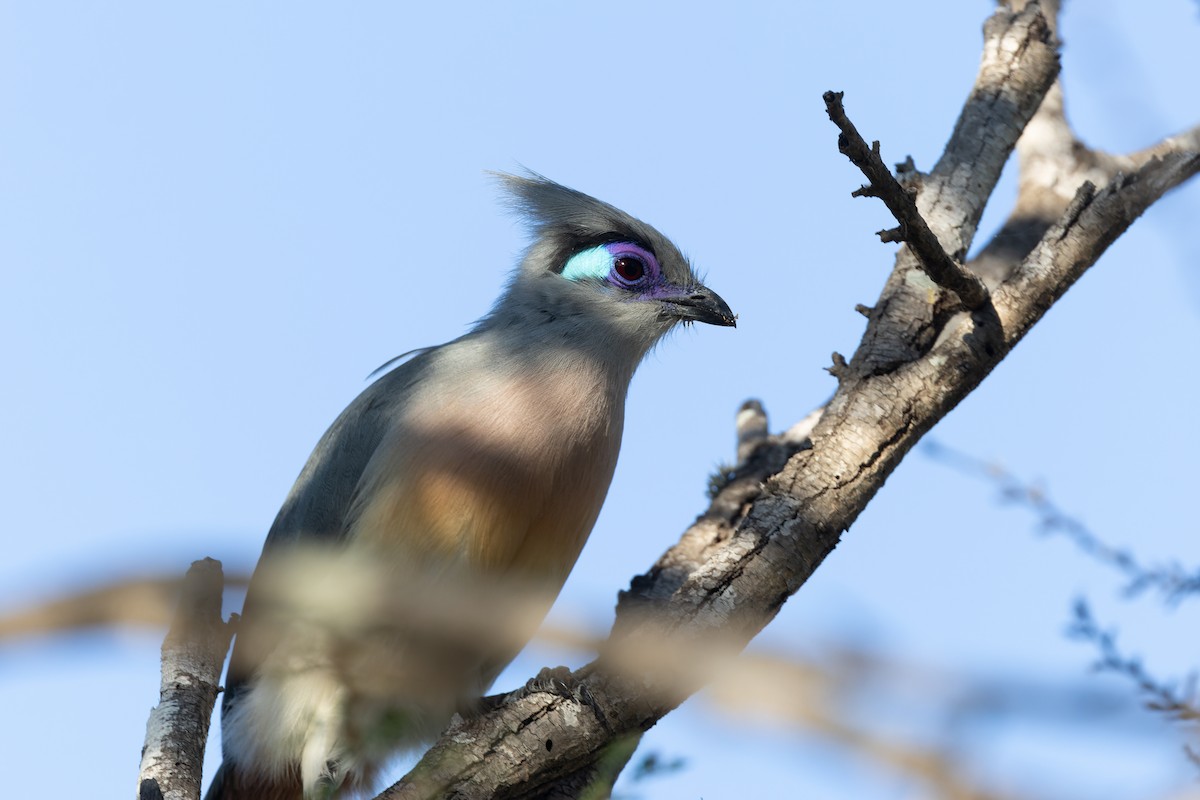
(556, 354)
(555, 328)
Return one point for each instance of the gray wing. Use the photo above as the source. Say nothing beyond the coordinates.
(318, 506)
(319, 503)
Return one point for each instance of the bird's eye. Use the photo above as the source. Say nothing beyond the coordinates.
(629, 268)
(623, 265)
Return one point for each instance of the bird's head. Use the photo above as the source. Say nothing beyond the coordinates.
(592, 266)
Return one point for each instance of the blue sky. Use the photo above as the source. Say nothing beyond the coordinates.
(217, 219)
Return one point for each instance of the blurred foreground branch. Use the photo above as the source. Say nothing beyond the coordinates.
(145, 601)
(821, 694)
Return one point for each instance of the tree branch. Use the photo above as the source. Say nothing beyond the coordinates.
(140, 601)
(1054, 163)
(776, 516)
(913, 230)
(192, 656)
(1017, 68)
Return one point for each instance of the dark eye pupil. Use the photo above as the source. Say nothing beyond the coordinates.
(630, 268)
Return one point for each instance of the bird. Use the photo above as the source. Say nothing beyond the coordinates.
(438, 517)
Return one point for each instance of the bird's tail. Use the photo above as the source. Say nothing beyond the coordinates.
(231, 783)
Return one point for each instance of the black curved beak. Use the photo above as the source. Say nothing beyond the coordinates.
(699, 304)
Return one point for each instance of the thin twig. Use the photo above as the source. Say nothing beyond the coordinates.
(1171, 580)
(913, 229)
(1178, 703)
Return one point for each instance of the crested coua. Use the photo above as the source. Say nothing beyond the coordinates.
(440, 514)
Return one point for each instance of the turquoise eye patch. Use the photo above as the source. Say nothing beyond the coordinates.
(593, 263)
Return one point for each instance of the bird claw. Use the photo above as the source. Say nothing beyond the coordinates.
(552, 680)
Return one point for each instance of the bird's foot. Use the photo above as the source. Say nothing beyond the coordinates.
(558, 681)
(552, 680)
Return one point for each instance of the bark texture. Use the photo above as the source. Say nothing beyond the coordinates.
(192, 656)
